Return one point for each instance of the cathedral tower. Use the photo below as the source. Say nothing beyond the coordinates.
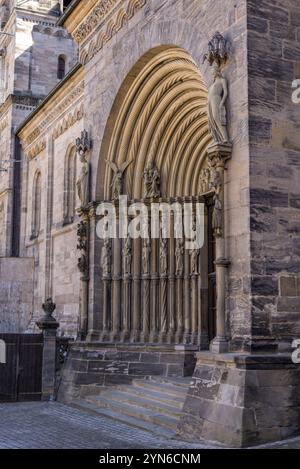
(35, 55)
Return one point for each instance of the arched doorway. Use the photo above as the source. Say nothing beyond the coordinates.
(156, 291)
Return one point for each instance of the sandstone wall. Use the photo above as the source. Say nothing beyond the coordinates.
(46, 146)
(16, 294)
(274, 62)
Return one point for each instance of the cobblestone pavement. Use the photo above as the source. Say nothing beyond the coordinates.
(54, 425)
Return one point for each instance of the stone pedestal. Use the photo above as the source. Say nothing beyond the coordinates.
(49, 327)
(242, 400)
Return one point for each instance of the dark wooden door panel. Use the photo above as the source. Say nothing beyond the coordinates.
(21, 375)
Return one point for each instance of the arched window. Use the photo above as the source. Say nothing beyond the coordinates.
(36, 205)
(61, 67)
(70, 186)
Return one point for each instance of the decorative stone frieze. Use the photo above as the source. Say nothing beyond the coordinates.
(107, 31)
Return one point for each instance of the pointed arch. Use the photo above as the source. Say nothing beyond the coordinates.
(69, 185)
(160, 114)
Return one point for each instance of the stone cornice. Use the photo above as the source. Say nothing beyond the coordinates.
(101, 12)
(105, 30)
(86, 19)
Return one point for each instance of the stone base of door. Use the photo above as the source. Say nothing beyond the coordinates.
(242, 400)
(100, 364)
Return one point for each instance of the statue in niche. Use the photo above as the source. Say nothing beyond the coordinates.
(217, 219)
(163, 256)
(204, 180)
(217, 96)
(151, 180)
(146, 256)
(127, 256)
(117, 182)
(106, 257)
(194, 253)
(83, 182)
(179, 253)
(83, 145)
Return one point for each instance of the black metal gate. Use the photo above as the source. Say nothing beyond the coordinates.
(21, 375)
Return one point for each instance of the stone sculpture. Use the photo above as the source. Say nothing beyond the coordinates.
(151, 181)
(117, 182)
(217, 96)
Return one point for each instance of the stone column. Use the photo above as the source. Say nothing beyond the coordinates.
(106, 280)
(154, 292)
(127, 258)
(146, 252)
(49, 327)
(163, 257)
(218, 155)
(83, 145)
(83, 266)
(187, 298)
(179, 255)
(203, 291)
(136, 313)
(171, 322)
(116, 290)
(94, 290)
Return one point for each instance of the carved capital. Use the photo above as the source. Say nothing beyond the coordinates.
(219, 153)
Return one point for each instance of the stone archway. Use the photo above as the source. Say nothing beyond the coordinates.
(159, 114)
(159, 117)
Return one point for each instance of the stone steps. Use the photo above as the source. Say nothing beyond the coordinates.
(125, 419)
(156, 396)
(153, 404)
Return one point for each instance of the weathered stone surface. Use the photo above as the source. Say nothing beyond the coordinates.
(253, 402)
(288, 286)
(265, 286)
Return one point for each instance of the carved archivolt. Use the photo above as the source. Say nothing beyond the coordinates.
(163, 120)
(113, 26)
(68, 121)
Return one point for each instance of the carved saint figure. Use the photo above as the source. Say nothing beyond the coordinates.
(146, 256)
(105, 257)
(194, 253)
(163, 256)
(127, 256)
(217, 96)
(217, 219)
(117, 182)
(179, 252)
(204, 180)
(151, 180)
(83, 182)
